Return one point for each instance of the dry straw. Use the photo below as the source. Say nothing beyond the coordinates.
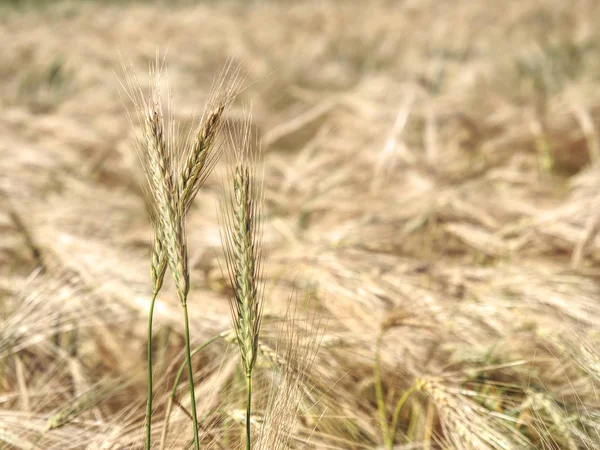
(294, 363)
(467, 425)
(541, 405)
(74, 409)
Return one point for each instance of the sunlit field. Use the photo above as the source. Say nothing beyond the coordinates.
(420, 246)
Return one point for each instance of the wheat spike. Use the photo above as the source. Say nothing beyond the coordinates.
(241, 236)
(198, 158)
(159, 160)
(172, 187)
(170, 227)
(242, 240)
(467, 425)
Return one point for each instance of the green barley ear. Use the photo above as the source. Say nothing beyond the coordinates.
(241, 236)
(158, 166)
(184, 164)
(175, 171)
(197, 155)
(240, 221)
(159, 159)
(204, 152)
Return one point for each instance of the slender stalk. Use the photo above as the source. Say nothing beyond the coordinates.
(165, 431)
(429, 418)
(190, 376)
(248, 409)
(399, 405)
(149, 403)
(388, 431)
(379, 388)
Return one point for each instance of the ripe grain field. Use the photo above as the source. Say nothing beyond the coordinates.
(427, 265)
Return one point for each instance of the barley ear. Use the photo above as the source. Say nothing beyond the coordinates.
(157, 153)
(159, 160)
(241, 236)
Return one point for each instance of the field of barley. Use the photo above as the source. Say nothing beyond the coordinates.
(427, 178)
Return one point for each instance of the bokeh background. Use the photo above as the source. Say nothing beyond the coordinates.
(432, 192)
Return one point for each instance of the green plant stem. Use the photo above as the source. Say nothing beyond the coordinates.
(149, 403)
(176, 385)
(379, 389)
(248, 408)
(190, 375)
(399, 405)
(388, 431)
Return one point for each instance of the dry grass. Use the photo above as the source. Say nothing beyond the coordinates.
(431, 168)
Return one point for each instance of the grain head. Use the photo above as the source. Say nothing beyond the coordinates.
(241, 235)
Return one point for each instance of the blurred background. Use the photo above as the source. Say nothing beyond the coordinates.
(432, 191)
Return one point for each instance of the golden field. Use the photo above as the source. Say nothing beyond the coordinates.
(431, 212)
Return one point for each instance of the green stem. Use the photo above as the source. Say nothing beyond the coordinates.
(399, 405)
(176, 385)
(190, 376)
(248, 408)
(379, 388)
(149, 403)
